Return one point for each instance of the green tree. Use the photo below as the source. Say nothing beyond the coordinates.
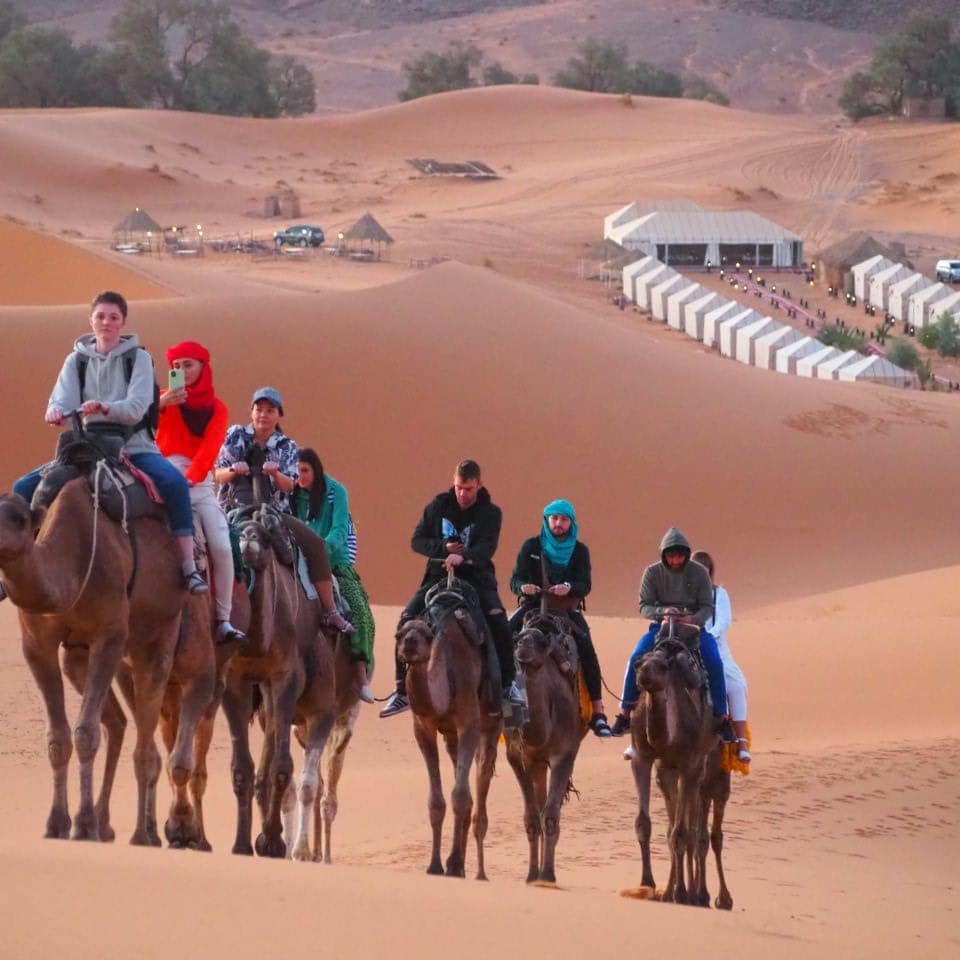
(649, 80)
(904, 354)
(440, 72)
(943, 335)
(497, 75)
(293, 86)
(10, 18)
(39, 68)
(833, 335)
(600, 67)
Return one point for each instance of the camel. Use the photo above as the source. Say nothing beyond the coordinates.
(550, 739)
(82, 587)
(444, 652)
(674, 727)
(287, 657)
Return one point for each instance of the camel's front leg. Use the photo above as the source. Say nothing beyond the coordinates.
(198, 782)
(641, 768)
(486, 764)
(237, 706)
(560, 775)
(45, 666)
(724, 899)
(436, 805)
(337, 753)
(270, 842)
(667, 779)
(104, 657)
(315, 738)
(531, 815)
(461, 800)
(680, 836)
(179, 825)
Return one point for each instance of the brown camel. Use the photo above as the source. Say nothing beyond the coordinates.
(550, 739)
(445, 655)
(325, 800)
(288, 658)
(71, 588)
(673, 726)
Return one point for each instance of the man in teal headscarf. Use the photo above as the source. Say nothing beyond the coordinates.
(558, 562)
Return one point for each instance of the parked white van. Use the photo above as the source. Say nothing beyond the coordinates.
(948, 271)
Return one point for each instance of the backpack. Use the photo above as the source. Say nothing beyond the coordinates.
(151, 419)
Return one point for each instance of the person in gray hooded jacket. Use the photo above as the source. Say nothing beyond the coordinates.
(679, 587)
(107, 395)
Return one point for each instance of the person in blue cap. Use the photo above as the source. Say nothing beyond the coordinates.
(557, 561)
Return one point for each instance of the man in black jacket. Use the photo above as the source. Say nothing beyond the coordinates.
(461, 527)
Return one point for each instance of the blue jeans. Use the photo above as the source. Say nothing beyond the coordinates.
(711, 661)
(169, 480)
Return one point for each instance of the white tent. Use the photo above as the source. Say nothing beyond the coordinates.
(883, 280)
(902, 290)
(789, 356)
(807, 366)
(924, 304)
(643, 284)
(639, 209)
(829, 369)
(878, 370)
(862, 272)
(712, 318)
(659, 294)
(747, 335)
(630, 273)
(678, 298)
(767, 344)
(729, 327)
(949, 305)
(696, 310)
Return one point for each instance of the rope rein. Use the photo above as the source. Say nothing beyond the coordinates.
(93, 547)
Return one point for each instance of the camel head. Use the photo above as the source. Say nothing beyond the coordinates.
(414, 641)
(531, 647)
(18, 525)
(671, 661)
(254, 544)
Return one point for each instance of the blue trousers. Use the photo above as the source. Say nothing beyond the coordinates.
(711, 660)
(169, 480)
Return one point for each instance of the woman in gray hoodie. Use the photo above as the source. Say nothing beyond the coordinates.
(98, 381)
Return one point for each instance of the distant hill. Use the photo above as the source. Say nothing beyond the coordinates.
(878, 15)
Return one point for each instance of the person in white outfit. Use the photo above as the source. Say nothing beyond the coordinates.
(736, 682)
(193, 424)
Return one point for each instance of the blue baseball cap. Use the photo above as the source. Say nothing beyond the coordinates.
(270, 394)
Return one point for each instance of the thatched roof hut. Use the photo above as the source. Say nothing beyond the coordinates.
(835, 262)
(138, 221)
(368, 230)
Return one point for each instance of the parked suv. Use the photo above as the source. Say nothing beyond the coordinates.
(300, 235)
(948, 271)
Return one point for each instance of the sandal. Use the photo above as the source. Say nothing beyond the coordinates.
(195, 583)
(744, 755)
(599, 725)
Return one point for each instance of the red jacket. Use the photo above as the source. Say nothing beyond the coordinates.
(173, 436)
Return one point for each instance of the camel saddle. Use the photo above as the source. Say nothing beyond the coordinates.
(97, 454)
(685, 637)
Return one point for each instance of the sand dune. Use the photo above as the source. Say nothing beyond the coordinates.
(826, 506)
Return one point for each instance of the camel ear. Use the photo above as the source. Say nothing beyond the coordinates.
(36, 517)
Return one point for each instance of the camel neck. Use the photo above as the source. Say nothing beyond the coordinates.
(31, 587)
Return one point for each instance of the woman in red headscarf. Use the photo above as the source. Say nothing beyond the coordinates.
(193, 424)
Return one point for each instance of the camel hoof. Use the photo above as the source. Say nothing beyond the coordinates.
(724, 903)
(58, 826)
(243, 849)
(203, 845)
(271, 847)
(435, 869)
(141, 838)
(302, 854)
(86, 830)
(459, 873)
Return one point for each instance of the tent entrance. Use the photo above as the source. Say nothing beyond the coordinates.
(682, 254)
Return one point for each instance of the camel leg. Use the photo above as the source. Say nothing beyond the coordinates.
(177, 829)
(560, 775)
(699, 895)
(114, 724)
(104, 656)
(198, 782)
(461, 800)
(486, 764)
(667, 779)
(44, 664)
(436, 805)
(687, 789)
(539, 775)
(288, 807)
(531, 815)
(724, 899)
(238, 707)
(641, 774)
(315, 738)
(270, 841)
(337, 752)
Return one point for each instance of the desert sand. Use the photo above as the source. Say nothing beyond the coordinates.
(827, 506)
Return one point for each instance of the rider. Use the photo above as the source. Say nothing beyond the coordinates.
(94, 381)
(324, 505)
(193, 423)
(261, 450)
(733, 676)
(679, 587)
(558, 555)
(461, 526)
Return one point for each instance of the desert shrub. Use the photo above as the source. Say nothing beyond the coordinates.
(904, 354)
(842, 338)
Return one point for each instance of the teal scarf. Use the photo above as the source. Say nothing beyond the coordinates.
(559, 551)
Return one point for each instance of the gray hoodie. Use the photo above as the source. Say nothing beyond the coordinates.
(689, 588)
(106, 380)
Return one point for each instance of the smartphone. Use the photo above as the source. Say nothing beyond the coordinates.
(177, 379)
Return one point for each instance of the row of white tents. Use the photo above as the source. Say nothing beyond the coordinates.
(746, 334)
(902, 292)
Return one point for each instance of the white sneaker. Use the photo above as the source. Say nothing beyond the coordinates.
(628, 754)
(744, 754)
(366, 694)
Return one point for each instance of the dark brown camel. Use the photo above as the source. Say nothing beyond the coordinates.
(325, 800)
(673, 726)
(444, 677)
(291, 662)
(71, 588)
(550, 739)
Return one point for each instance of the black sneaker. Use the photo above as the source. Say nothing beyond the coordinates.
(726, 731)
(195, 583)
(397, 703)
(227, 633)
(599, 726)
(621, 725)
